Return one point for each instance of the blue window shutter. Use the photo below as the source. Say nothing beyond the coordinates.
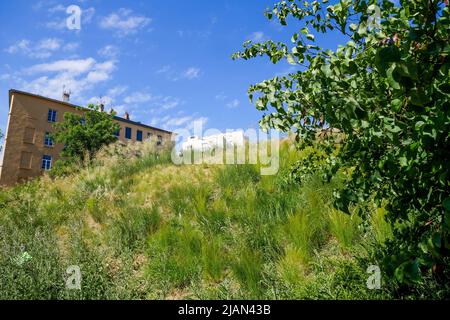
(51, 115)
(46, 162)
(128, 133)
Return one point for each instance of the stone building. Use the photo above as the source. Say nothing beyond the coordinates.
(28, 149)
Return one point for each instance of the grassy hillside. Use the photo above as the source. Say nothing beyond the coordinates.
(140, 227)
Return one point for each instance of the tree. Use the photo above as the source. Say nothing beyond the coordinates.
(387, 90)
(86, 134)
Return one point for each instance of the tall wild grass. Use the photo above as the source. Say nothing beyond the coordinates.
(140, 227)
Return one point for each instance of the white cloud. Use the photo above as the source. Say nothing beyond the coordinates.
(117, 91)
(170, 122)
(158, 103)
(102, 99)
(50, 44)
(257, 36)
(149, 107)
(87, 15)
(57, 8)
(76, 66)
(198, 120)
(198, 34)
(173, 75)
(109, 51)
(101, 71)
(177, 121)
(37, 5)
(124, 23)
(120, 109)
(137, 97)
(78, 75)
(191, 73)
(168, 103)
(71, 46)
(233, 104)
(59, 24)
(20, 46)
(110, 98)
(42, 49)
(164, 69)
(221, 96)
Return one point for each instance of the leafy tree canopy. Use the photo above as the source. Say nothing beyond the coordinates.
(387, 91)
(86, 134)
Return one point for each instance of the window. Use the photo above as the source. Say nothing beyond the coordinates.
(83, 121)
(48, 141)
(117, 133)
(160, 140)
(149, 135)
(51, 117)
(128, 133)
(46, 162)
(139, 135)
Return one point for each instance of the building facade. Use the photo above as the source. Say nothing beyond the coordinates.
(28, 149)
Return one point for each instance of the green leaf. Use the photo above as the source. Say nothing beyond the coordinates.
(304, 30)
(326, 69)
(396, 105)
(446, 204)
(408, 272)
(291, 59)
(418, 98)
(362, 30)
(391, 77)
(403, 161)
(389, 54)
(418, 125)
(294, 37)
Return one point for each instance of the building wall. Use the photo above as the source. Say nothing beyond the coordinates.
(27, 125)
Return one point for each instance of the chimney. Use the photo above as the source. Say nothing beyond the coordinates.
(66, 95)
(102, 107)
(127, 115)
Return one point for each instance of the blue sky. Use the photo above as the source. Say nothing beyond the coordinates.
(166, 63)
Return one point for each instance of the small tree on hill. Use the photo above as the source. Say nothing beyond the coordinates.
(86, 134)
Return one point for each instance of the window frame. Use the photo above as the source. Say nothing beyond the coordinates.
(52, 115)
(128, 133)
(46, 163)
(47, 138)
(139, 135)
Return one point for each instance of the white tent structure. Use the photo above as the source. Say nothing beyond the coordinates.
(208, 143)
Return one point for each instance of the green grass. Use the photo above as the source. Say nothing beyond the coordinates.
(140, 227)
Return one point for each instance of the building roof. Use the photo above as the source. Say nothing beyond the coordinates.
(12, 91)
